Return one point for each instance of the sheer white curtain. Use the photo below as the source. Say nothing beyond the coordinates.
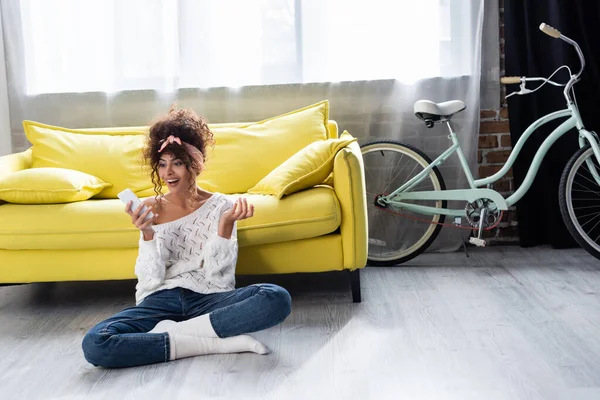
(115, 45)
(90, 63)
(380, 39)
(5, 136)
(99, 45)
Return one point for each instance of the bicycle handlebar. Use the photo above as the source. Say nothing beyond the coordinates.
(507, 80)
(555, 33)
(550, 31)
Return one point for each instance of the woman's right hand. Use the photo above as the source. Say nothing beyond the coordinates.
(139, 220)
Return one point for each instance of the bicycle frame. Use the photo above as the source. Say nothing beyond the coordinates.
(476, 192)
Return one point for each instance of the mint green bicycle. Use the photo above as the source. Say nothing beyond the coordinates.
(420, 198)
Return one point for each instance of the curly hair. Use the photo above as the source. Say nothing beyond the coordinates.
(190, 128)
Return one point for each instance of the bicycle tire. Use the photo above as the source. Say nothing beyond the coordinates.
(431, 233)
(567, 207)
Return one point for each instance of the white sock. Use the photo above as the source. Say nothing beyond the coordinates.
(200, 326)
(183, 346)
(196, 337)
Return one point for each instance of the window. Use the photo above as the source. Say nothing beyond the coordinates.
(114, 45)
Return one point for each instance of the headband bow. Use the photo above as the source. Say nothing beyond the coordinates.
(169, 140)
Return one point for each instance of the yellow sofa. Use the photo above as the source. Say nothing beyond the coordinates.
(316, 229)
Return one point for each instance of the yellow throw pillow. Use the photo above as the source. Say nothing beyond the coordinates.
(244, 154)
(307, 168)
(49, 186)
(114, 157)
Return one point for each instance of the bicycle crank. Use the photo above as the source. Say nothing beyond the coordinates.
(482, 214)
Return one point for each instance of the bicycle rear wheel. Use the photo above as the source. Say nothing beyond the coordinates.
(579, 199)
(393, 238)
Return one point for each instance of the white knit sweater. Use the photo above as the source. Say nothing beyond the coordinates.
(189, 253)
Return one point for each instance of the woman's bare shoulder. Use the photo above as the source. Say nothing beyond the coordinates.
(150, 202)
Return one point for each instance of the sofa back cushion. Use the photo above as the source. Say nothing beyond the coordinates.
(244, 153)
(114, 158)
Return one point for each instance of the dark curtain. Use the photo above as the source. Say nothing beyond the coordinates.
(530, 52)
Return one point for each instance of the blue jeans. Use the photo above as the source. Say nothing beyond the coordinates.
(123, 341)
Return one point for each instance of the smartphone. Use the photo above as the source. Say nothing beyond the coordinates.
(127, 195)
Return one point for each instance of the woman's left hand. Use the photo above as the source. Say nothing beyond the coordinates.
(240, 210)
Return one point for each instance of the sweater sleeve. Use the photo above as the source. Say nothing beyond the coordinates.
(220, 255)
(149, 267)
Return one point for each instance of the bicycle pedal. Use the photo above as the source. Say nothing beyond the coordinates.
(477, 242)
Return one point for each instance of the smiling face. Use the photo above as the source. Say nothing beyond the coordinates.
(173, 165)
(174, 173)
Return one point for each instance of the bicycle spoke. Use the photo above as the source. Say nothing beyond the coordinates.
(402, 169)
(586, 178)
(586, 215)
(371, 175)
(588, 189)
(413, 170)
(591, 230)
(581, 208)
(374, 185)
(594, 225)
(584, 165)
(394, 168)
(409, 174)
(384, 177)
(591, 219)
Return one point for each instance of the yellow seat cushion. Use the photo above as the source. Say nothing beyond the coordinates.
(302, 215)
(114, 158)
(244, 154)
(308, 167)
(91, 224)
(103, 223)
(49, 186)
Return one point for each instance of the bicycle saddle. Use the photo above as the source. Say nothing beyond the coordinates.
(431, 112)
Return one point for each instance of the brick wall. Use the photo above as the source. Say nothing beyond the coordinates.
(494, 149)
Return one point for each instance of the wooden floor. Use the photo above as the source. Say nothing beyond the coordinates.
(506, 323)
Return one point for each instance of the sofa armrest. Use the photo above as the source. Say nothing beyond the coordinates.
(349, 186)
(15, 162)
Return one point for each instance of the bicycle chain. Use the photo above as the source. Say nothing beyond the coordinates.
(443, 224)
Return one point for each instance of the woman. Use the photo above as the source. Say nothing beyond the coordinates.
(186, 301)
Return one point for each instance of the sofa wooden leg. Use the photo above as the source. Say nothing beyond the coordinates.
(355, 285)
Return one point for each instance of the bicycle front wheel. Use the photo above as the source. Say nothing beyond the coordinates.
(579, 199)
(394, 238)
